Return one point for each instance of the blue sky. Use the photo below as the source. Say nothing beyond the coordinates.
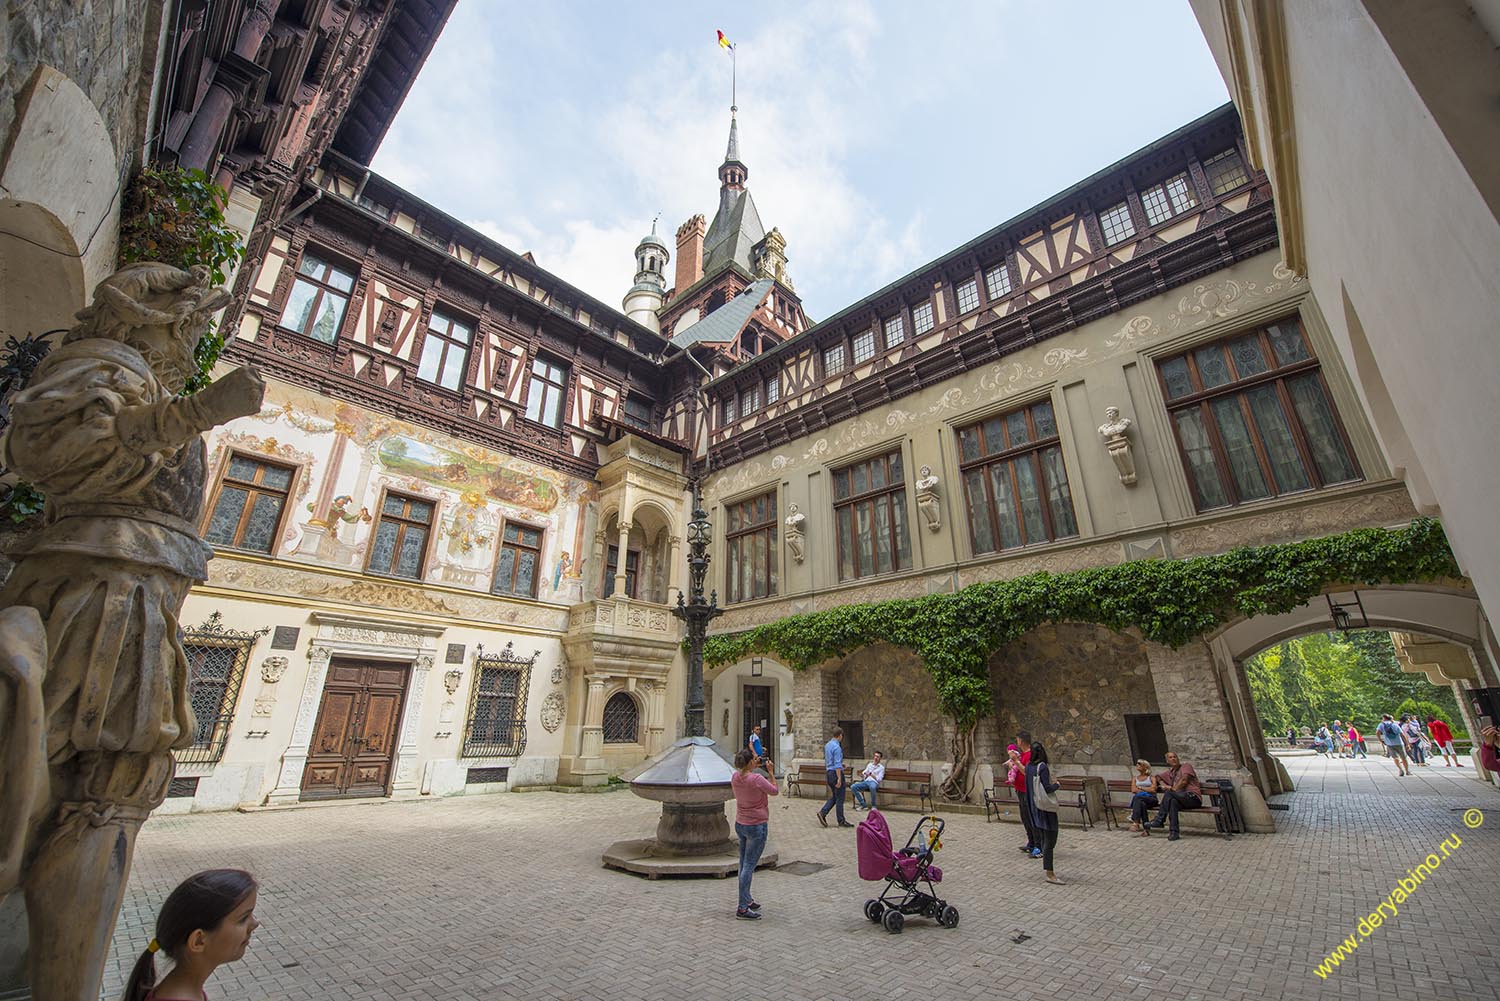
(879, 135)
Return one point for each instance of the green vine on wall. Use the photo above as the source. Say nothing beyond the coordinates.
(1170, 602)
(176, 216)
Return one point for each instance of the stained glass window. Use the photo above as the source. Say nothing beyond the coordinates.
(520, 557)
(400, 543)
(252, 497)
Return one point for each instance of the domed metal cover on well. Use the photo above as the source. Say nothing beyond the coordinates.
(695, 769)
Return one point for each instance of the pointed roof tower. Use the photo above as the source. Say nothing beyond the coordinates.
(736, 228)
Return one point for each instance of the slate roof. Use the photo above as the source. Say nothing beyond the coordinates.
(735, 230)
(724, 324)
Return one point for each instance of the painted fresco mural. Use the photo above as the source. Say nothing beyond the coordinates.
(347, 456)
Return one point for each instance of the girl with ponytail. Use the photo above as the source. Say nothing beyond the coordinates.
(204, 923)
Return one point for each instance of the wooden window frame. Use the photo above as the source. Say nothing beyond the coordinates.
(536, 579)
(1163, 194)
(773, 389)
(1122, 205)
(533, 377)
(972, 285)
(254, 489)
(843, 357)
(432, 527)
(1030, 450)
(893, 325)
(749, 532)
(324, 287)
(1208, 171)
(867, 339)
(989, 286)
(919, 312)
(1276, 374)
(606, 589)
(449, 343)
(893, 494)
(749, 400)
(729, 408)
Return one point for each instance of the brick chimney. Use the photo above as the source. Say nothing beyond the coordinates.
(690, 251)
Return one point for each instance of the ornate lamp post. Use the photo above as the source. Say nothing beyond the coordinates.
(697, 612)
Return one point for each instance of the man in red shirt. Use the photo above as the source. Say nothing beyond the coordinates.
(1443, 738)
(1033, 845)
(1179, 791)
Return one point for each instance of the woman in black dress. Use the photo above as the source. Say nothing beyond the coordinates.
(1043, 806)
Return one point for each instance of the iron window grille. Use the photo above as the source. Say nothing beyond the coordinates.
(622, 720)
(496, 726)
(217, 658)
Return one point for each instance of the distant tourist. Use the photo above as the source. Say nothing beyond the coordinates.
(1337, 733)
(1356, 742)
(1322, 743)
(757, 746)
(752, 816)
(1291, 736)
(1015, 776)
(1179, 791)
(1389, 732)
(1033, 846)
(1043, 807)
(833, 765)
(203, 924)
(869, 781)
(1489, 748)
(1143, 797)
(1416, 740)
(1442, 739)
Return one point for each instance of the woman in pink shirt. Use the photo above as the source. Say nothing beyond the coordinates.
(751, 818)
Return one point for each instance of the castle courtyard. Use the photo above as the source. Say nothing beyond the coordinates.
(490, 897)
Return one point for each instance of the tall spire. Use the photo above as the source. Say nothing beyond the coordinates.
(732, 172)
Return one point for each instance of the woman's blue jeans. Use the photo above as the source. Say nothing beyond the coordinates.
(752, 843)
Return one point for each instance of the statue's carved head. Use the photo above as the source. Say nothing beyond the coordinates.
(159, 310)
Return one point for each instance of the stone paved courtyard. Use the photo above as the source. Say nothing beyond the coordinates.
(503, 896)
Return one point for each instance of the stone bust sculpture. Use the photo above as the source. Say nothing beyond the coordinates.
(1116, 434)
(795, 539)
(927, 498)
(92, 605)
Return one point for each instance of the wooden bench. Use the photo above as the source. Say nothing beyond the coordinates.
(913, 784)
(1004, 793)
(814, 775)
(1217, 796)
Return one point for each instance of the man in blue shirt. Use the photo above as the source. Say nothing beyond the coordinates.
(833, 763)
(755, 743)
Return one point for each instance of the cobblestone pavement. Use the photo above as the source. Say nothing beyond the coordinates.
(502, 896)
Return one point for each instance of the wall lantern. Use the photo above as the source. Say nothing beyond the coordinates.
(757, 667)
(1344, 612)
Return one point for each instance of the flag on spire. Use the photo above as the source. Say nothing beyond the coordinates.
(725, 43)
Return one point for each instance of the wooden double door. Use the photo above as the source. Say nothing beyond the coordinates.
(353, 745)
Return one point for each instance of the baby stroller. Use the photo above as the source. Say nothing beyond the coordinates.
(905, 873)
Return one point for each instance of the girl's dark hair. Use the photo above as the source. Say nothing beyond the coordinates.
(743, 757)
(1038, 753)
(202, 900)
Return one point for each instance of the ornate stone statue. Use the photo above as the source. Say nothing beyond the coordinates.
(795, 539)
(1116, 434)
(93, 677)
(927, 498)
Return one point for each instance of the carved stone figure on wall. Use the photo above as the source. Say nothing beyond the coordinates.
(927, 498)
(1116, 434)
(92, 604)
(795, 538)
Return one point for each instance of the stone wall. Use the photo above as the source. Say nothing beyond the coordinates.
(815, 708)
(889, 689)
(1193, 710)
(108, 48)
(1071, 686)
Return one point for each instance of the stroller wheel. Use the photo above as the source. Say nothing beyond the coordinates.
(893, 922)
(873, 910)
(949, 917)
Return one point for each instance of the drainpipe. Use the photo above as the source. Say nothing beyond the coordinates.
(213, 114)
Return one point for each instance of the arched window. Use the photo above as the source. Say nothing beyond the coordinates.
(622, 720)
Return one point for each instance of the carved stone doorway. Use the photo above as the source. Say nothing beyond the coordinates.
(354, 740)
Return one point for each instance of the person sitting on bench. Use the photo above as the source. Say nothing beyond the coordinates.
(869, 781)
(1179, 791)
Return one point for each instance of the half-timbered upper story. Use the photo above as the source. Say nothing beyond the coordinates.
(368, 294)
(1183, 206)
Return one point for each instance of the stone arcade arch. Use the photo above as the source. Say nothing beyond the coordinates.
(1448, 612)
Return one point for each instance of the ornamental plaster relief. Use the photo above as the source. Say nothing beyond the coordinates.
(299, 582)
(1366, 509)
